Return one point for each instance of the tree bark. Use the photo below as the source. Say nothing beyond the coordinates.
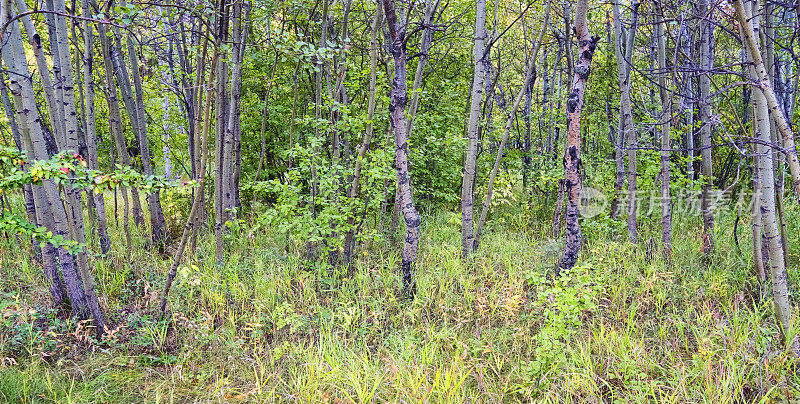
(762, 82)
(470, 162)
(98, 198)
(397, 119)
(624, 53)
(706, 64)
(766, 189)
(73, 195)
(586, 47)
(223, 144)
(666, 140)
(50, 208)
(33, 197)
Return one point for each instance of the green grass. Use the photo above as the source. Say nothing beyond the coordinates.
(621, 327)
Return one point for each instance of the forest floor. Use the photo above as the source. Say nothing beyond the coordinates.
(268, 326)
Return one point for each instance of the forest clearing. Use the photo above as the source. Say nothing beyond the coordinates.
(346, 201)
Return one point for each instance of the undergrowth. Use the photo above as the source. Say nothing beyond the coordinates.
(268, 326)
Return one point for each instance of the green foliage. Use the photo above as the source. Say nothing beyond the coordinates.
(69, 169)
(322, 217)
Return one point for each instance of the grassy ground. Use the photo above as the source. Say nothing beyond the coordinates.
(621, 327)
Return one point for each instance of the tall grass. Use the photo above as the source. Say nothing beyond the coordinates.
(267, 326)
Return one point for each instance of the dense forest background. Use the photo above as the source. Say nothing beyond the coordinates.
(435, 200)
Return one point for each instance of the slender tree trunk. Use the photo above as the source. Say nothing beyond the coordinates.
(263, 133)
(759, 260)
(617, 137)
(223, 144)
(58, 83)
(470, 162)
(706, 64)
(569, 28)
(115, 127)
(352, 192)
(199, 123)
(41, 65)
(526, 145)
(529, 77)
(422, 62)
(232, 143)
(98, 198)
(397, 48)
(157, 220)
(762, 82)
(666, 140)
(73, 195)
(624, 52)
(242, 26)
(197, 201)
(318, 102)
(559, 212)
(586, 47)
(766, 190)
(687, 107)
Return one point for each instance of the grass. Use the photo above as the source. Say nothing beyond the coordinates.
(621, 327)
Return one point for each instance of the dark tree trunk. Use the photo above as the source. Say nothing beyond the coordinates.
(399, 97)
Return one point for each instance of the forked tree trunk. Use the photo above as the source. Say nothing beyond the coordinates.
(583, 67)
(399, 97)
